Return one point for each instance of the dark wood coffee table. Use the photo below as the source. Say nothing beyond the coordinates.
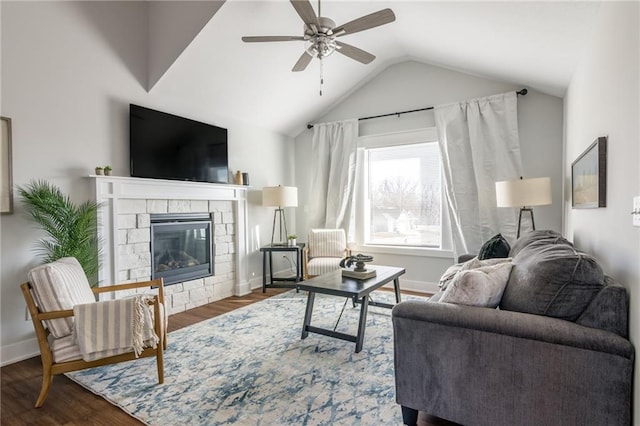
(358, 290)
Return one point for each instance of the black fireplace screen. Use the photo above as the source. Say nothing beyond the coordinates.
(181, 247)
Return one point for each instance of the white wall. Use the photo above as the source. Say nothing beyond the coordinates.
(411, 85)
(69, 72)
(603, 99)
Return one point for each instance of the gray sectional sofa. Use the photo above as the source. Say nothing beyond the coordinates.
(555, 352)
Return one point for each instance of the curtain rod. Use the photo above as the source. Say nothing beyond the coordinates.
(310, 126)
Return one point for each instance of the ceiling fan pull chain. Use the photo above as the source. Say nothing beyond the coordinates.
(321, 75)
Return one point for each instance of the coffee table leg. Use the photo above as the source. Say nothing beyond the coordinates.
(362, 323)
(396, 287)
(307, 315)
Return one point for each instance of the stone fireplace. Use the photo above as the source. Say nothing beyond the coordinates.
(199, 231)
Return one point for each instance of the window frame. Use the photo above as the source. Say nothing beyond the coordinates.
(385, 140)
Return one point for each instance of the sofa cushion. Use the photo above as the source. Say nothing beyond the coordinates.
(64, 348)
(58, 286)
(555, 280)
(542, 237)
(495, 247)
(323, 265)
(481, 286)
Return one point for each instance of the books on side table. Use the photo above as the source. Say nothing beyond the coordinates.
(359, 275)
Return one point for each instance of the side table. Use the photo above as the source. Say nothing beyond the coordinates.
(288, 281)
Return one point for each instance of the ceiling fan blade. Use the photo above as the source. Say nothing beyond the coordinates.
(258, 39)
(302, 62)
(306, 12)
(354, 53)
(372, 20)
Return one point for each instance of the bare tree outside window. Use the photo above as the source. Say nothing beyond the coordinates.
(404, 195)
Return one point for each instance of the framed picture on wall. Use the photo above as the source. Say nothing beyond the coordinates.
(589, 177)
(6, 175)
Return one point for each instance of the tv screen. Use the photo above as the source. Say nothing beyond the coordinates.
(165, 146)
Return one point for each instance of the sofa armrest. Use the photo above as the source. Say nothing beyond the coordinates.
(516, 324)
(465, 257)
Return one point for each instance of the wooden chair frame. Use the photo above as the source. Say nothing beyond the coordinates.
(51, 368)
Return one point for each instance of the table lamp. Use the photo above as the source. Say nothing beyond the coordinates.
(524, 193)
(279, 196)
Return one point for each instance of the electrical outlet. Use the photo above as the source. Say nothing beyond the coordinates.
(635, 214)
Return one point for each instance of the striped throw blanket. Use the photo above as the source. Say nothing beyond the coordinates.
(113, 327)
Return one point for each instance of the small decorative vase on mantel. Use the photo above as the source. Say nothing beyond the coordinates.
(99, 171)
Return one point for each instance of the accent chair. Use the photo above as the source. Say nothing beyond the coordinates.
(324, 251)
(51, 294)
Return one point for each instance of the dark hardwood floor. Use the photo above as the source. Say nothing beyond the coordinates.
(70, 404)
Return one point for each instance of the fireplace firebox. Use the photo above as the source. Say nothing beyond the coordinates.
(181, 247)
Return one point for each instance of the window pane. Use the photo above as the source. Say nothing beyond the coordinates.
(404, 195)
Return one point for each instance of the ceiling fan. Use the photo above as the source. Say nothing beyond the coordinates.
(320, 34)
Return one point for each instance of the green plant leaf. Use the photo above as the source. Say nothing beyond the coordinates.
(71, 230)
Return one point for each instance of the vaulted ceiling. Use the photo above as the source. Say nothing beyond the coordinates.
(196, 48)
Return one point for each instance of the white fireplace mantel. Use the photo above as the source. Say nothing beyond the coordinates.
(111, 191)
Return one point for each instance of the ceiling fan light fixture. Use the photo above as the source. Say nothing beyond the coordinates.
(321, 46)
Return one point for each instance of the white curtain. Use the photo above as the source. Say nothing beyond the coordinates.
(333, 164)
(479, 145)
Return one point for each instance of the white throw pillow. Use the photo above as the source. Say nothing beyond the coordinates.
(474, 263)
(480, 286)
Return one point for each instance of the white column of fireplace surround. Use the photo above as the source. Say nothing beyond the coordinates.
(122, 197)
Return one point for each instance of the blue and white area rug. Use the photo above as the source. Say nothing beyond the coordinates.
(251, 367)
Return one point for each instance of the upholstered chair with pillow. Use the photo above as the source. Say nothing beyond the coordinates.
(324, 251)
(62, 304)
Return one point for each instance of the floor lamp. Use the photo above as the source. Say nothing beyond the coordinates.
(279, 196)
(524, 193)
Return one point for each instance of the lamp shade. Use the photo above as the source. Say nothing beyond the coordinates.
(280, 196)
(523, 192)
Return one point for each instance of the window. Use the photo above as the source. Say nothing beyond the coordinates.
(402, 202)
(399, 203)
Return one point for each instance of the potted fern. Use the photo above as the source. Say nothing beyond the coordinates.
(71, 229)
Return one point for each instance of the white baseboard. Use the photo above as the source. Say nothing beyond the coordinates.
(417, 286)
(244, 288)
(19, 351)
(255, 283)
(409, 285)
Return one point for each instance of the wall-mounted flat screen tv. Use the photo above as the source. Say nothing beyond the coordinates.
(165, 146)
